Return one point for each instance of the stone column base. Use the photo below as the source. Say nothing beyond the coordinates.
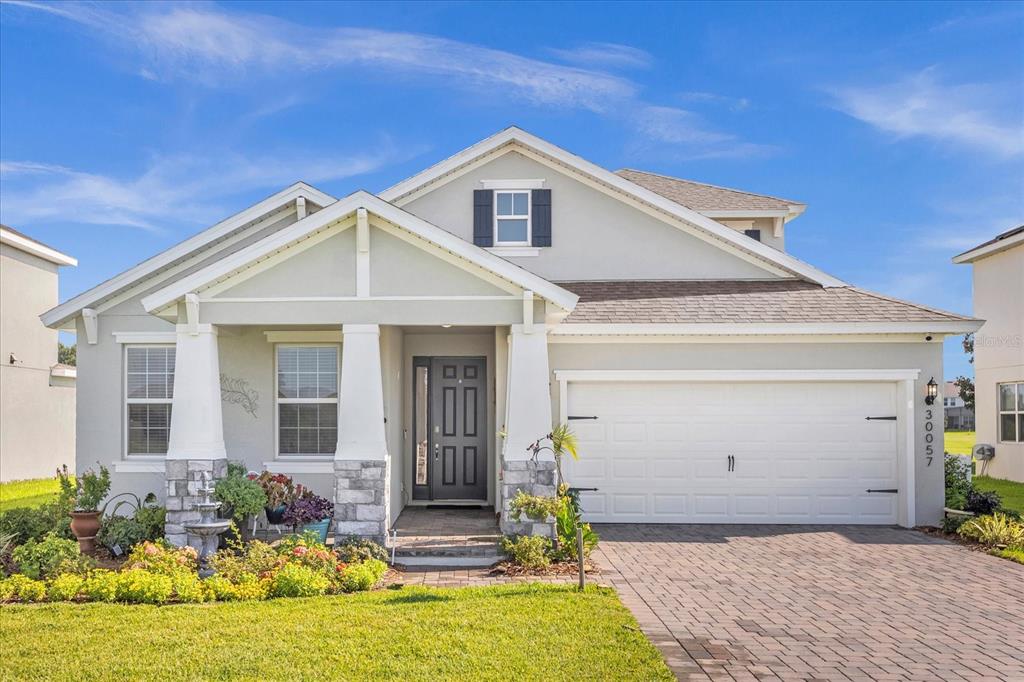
(533, 478)
(361, 499)
(183, 482)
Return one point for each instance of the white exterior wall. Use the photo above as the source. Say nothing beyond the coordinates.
(37, 412)
(998, 351)
(594, 236)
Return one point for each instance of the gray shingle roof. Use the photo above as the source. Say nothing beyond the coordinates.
(703, 197)
(731, 302)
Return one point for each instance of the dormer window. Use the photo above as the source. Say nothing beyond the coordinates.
(512, 218)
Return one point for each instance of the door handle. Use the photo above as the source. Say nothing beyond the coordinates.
(436, 448)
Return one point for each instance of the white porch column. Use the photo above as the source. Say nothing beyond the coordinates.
(196, 443)
(528, 419)
(361, 459)
(197, 426)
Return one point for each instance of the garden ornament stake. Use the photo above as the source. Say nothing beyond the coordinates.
(563, 441)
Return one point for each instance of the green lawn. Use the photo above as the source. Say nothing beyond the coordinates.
(959, 442)
(1011, 491)
(31, 493)
(506, 632)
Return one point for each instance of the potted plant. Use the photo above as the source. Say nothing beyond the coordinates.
(242, 496)
(280, 492)
(310, 512)
(84, 494)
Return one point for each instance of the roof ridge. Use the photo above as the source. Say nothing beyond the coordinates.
(708, 184)
(893, 299)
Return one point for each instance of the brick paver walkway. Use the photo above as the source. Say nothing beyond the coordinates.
(803, 603)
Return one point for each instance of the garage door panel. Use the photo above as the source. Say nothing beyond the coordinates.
(803, 452)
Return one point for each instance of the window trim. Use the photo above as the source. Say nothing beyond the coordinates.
(515, 216)
(126, 401)
(299, 457)
(1016, 411)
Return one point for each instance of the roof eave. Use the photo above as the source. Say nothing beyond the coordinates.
(989, 249)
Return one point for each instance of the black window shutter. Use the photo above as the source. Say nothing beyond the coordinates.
(540, 214)
(483, 217)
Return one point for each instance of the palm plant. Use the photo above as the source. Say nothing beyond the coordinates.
(563, 441)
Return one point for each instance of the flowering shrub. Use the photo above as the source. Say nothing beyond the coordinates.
(163, 558)
(309, 508)
(278, 488)
(255, 559)
(529, 551)
(362, 576)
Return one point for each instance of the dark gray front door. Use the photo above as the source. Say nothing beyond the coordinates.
(458, 428)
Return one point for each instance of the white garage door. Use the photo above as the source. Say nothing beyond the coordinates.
(735, 452)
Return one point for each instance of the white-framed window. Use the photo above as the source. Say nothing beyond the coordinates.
(1010, 401)
(306, 386)
(511, 218)
(148, 391)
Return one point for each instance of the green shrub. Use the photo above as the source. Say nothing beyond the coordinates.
(355, 549)
(27, 523)
(1011, 554)
(7, 589)
(146, 523)
(241, 496)
(951, 524)
(252, 588)
(534, 507)
(143, 587)
(85, 491)
(254, 558)
(294, 580)
(567, 520)
(958, 481)
(46, 558)
(188, 588)
(101, 585)
(23, 589)
(529, 551)
(65, 587)
(219, 588)
(361, 576)
(996, 529)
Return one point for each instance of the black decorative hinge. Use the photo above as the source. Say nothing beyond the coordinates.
(573, 417)
(882, 490)
(880, 419)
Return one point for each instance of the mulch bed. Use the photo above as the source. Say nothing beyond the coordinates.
(561, 568)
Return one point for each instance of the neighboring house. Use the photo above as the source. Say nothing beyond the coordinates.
(37, 395)
(711, 376)
(999, 350)
(959, 417)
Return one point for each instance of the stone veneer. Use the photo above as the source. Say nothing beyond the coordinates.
(533, 478)
(361, 499)
(183, 481)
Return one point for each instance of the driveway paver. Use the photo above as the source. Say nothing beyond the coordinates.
(818, 603)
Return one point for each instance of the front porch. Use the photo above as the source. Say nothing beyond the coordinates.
(446, 536)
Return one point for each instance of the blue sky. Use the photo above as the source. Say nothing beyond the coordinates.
(126, 128)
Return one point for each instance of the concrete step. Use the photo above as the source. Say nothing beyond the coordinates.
(447, 554)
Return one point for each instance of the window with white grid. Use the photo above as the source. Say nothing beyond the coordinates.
(149, 389)
(307, 400)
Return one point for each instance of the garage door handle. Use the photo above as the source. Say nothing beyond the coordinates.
(882, 490)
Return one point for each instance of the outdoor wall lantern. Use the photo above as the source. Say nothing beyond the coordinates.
(931, 391)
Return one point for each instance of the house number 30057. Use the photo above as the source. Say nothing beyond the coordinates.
(929, 437)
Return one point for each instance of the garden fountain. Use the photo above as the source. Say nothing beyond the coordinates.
(208, 528)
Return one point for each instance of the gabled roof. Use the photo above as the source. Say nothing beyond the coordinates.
(22, 242)
(710, 198)
(733, 301)
(614, 185)
(71, 308)
(342, 209)
(1001, 242)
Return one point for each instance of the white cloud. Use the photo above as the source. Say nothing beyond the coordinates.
(733, 103)
(920, 106)
(202, 43)
(171, 189)
(688, 131)
(610, 55)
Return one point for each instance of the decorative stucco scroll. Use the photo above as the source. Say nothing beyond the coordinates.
(237, 392)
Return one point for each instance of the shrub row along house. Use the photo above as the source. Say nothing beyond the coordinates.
(405, 348)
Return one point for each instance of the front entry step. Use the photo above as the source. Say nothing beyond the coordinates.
(451, 538)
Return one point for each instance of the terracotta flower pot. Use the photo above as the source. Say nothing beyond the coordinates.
(84, 526)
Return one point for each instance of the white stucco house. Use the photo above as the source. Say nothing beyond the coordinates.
(999, 350)
(404, 348)
(37, 393)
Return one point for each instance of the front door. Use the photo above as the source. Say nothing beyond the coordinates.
(456, 434)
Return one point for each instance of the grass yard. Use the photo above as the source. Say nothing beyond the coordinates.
(959, 442)
(1011, 491)
(31, 493)
(506, 632)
